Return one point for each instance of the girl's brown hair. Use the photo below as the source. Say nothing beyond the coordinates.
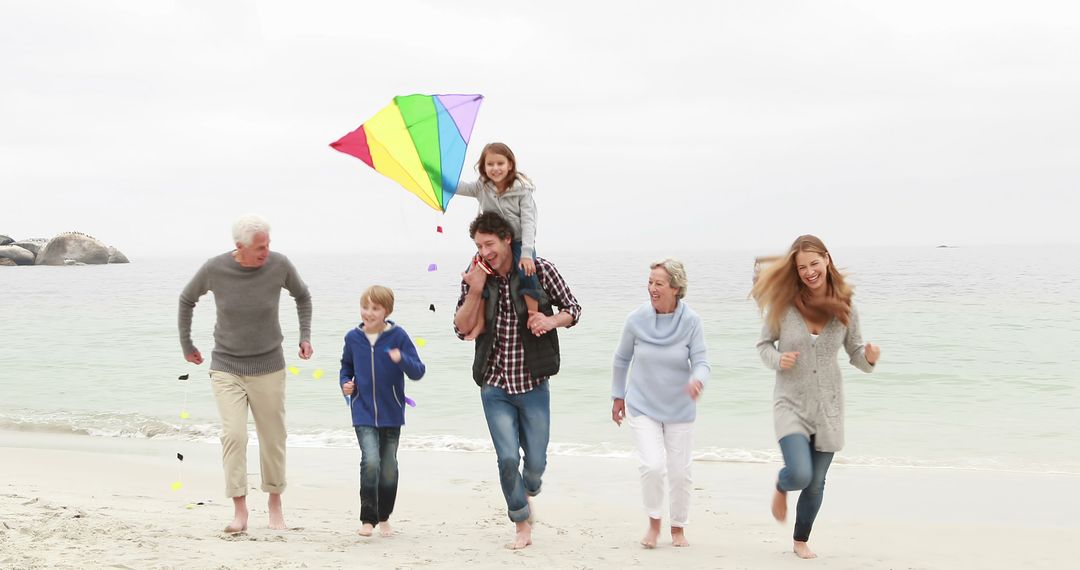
(779, 287)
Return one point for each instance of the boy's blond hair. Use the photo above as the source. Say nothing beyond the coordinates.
(379, 295)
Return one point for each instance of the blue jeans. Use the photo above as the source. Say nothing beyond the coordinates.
(528, 284)
(519, 422)
(378, 472)
(804, 470)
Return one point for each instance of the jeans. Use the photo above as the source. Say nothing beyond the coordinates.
(519, 422)
(804, 470)
(378, 472)
(528, 284)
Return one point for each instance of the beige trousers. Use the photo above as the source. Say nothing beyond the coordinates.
(265, 395)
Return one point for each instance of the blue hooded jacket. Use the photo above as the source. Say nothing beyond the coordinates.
(379, 398)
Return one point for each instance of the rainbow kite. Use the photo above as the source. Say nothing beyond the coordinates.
(419, 141)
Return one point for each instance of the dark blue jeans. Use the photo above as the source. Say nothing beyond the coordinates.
(378, 472)
(519, 422)
(804, 470)
(528, 284)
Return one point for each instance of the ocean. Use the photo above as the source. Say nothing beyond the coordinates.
(978, 368)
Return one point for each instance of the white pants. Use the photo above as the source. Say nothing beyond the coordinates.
(664, 449)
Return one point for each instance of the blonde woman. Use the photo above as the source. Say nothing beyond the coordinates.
(808, 318)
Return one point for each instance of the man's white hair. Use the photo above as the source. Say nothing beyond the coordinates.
(245, 228)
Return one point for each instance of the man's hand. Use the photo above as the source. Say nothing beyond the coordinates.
(305, 350)
(195, 357)
(395, 355)
(474, 277)
(539, 323)
(348, 388)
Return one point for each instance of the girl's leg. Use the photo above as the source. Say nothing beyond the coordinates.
(529, 285)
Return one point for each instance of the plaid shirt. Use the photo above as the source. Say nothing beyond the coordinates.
(506, 362)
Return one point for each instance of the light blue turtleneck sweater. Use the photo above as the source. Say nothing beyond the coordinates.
(667, 350)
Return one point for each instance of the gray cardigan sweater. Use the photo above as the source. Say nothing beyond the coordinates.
(809, 397)
(247, 335)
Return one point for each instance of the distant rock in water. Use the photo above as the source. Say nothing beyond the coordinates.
(69, 248)
(18, 255)
(33, 245)
(116, 257)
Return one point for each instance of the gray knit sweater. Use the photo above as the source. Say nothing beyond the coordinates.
(809, 397)
(247, 334)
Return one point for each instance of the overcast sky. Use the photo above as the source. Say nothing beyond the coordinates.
(731, 125)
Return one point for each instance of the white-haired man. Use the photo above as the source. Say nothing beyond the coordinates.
(247, 366)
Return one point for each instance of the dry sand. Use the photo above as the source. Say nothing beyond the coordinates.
(74, 501)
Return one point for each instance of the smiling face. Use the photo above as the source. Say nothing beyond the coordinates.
(495, 251)
(497, 168)
(253, 255)
(813, 270)
(373, 315)
(661, 294)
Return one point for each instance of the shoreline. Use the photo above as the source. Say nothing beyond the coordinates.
(69, 496)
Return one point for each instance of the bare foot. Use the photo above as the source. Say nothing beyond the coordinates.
(277, 518)
(779, 505)
(523, 537)
(803, 551)
(366, 530)
(385, 529)
(240, 516)
(649, 540)
(678, 537)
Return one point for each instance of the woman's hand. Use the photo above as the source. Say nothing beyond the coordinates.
(395, 355)
(305, 350)
(872, 352)
(618, 411)
(528, 266)
(348, 388)
(695, 388)
(787, 360)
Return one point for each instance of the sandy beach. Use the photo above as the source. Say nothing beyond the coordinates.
(75, 501)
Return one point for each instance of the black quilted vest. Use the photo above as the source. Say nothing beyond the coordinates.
(541, 352)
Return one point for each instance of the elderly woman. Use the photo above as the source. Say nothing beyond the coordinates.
(247, 366)
(666, 343)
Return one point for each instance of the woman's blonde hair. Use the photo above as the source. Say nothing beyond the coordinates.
(676, 274)
(379, 295)
(778, 287)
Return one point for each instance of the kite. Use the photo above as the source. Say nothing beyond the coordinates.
(418, 141)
